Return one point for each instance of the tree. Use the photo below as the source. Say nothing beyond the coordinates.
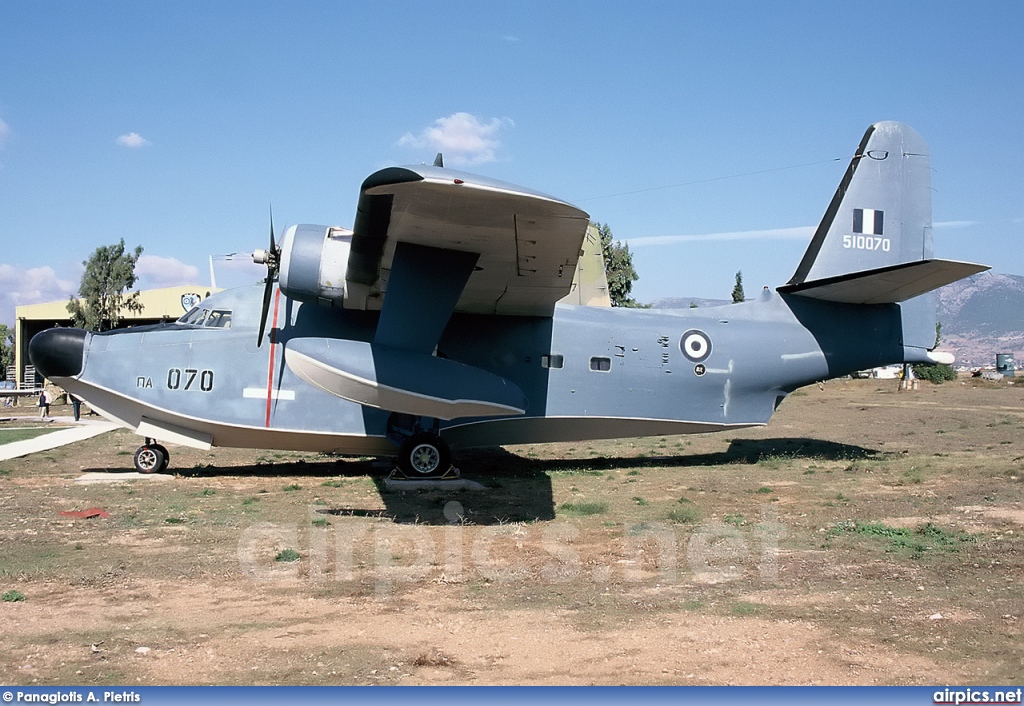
(737, 292)
(618, 267)
(109, 274)
(6, 350)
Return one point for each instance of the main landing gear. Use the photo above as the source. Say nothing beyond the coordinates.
(151, 457)
(421, 453)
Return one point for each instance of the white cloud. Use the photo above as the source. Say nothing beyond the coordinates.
(132, 139)
(5, 131)
(155, 272)
(798, 233)
(19, 286)
(463, 138)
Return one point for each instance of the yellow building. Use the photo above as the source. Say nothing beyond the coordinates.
(158, 305)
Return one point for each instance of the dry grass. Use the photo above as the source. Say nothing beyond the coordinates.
(815, 550)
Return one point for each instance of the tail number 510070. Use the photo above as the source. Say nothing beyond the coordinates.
(866, 242)
(189, 379)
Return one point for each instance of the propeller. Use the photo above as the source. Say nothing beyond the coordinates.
(272, 259)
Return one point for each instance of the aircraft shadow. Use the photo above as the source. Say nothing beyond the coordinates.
(739, 451)
(516, 488)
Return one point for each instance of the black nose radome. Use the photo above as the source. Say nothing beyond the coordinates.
(57, 352)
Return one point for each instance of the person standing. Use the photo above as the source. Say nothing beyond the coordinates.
(44, 405)
(76, 406)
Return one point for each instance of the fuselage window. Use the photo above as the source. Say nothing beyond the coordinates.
(601, 364)
(552, 361)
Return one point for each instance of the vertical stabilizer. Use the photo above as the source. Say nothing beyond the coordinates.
(881, 214)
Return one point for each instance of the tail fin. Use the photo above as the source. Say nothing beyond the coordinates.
(874, 244)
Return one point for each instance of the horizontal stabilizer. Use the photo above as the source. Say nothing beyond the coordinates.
(886, 285)
(402, 381)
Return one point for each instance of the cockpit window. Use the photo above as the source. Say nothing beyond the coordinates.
(190, 316)
(218, 318)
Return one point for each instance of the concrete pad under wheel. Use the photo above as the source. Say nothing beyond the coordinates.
(90, 478)
(433, 484)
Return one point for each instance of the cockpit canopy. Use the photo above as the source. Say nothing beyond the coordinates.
(207, 318)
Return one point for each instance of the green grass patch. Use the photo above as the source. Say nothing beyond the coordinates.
(207, 492)
(321, 522)
(686, 514)
(764, 490)
(582, 509)
(735, 519)
(334, 483)
(916, 542)
(12, 596)
(640, 501)
(9, 436)
(174, 521)
(743, 608)
(287, 555)
(291, 488)
(577, 472)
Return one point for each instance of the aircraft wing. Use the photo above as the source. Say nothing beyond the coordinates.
(528, 243)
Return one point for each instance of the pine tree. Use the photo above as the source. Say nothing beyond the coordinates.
(737, 292)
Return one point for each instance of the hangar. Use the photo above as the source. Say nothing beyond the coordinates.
(158, 305)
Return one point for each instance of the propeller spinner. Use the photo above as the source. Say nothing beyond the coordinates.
(272, 259)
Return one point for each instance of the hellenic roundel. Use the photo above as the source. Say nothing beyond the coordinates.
(695, 345)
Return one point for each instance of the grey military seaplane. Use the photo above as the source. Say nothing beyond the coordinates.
(436, 323)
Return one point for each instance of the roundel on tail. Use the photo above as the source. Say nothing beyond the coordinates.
(695, 345)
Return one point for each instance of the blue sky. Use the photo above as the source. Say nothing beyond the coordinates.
(176, 125)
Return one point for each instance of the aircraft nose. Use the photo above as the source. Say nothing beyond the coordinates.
(58, 352)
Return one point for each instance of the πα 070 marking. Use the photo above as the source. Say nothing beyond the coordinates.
(177, 379)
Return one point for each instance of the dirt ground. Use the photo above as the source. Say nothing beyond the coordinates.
(864, 536)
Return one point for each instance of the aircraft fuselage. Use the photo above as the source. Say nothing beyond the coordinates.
(587, 372)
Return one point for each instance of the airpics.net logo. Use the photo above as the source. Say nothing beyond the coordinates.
(389, 555)
(967, 697)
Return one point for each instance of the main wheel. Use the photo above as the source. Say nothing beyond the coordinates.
(424, 455)
(150, 459)
(167, 457)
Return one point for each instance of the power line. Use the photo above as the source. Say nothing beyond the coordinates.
(706, 181)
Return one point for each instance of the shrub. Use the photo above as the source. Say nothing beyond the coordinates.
(934, 372)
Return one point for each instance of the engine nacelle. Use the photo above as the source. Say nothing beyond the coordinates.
(313, 263)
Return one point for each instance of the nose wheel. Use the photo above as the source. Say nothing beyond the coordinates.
(151, 458)
(424, 455)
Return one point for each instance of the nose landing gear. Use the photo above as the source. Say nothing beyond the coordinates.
(151, 457)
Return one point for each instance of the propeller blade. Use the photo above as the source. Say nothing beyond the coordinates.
(267, 291)
(272, 260)
(273, 247)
